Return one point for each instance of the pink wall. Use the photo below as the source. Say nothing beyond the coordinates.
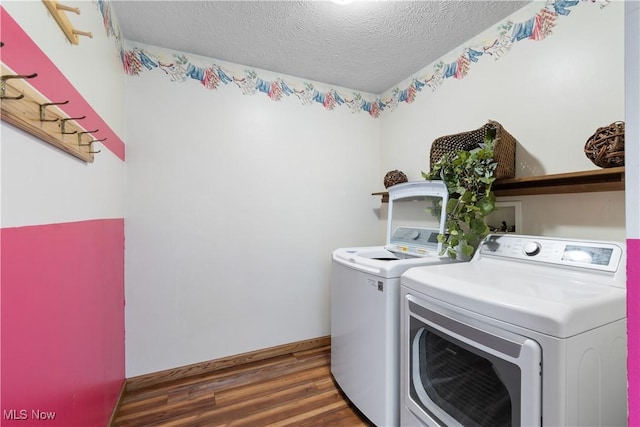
(62, 312)
(633, 333)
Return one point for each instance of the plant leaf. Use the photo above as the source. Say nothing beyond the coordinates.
(467, 250)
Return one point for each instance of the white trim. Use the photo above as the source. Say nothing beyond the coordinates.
(632, 119)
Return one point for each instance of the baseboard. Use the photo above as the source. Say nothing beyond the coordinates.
(154, 378)
(116, 408)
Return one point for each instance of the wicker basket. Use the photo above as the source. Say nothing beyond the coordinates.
(394, 177)
(504, 150)
(605, 148)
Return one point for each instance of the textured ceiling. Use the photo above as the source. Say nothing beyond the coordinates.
(364, 45)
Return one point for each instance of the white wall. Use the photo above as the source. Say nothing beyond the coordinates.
(551, 95)
(234, 204)
(41, 184)
(632, 125)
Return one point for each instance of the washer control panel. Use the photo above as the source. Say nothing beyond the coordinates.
(594, 255)
(414, 241)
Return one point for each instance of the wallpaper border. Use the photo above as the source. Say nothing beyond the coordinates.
(179, 67)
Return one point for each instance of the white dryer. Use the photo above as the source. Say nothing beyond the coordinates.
(531, 332)
(365, 297)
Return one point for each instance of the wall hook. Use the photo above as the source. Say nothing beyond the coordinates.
(83, 33)
(63, 121)
(18, 76)
(45, 105)
(57, 11)
(3, 84)
(90, 142)
(94, 152)
(9, 97)
(83, 133)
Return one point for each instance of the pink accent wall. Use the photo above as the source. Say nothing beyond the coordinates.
(633, 329)
(62, 313)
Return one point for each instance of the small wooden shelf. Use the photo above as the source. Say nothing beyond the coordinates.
(611, 179)
(383, 194)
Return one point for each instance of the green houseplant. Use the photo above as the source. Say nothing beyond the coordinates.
(469, 176)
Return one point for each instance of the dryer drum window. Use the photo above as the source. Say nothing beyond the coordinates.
(472, 387)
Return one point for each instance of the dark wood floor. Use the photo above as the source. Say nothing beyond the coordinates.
(295, 389)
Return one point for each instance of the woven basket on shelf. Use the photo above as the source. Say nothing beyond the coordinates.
(504, 149)
(605, 148)
(394, 177)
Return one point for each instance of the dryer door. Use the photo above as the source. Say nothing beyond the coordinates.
(461, 372)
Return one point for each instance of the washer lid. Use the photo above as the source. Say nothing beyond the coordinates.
(378, 261)
(416, 217)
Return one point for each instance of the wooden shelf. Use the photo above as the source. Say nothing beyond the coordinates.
(611, 179)
(383, 194)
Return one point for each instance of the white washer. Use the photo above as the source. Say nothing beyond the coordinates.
(365, 289)
(532, 331)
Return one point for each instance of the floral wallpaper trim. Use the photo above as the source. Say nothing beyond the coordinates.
(180, 68)
(137, 59)
(110, 24)
(535, 28)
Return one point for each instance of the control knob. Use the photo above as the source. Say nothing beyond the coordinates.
(531, 248)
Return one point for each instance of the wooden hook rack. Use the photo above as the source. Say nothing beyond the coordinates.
(26, 108)
(58, 11)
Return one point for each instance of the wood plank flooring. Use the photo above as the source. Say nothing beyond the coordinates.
(294, 389)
